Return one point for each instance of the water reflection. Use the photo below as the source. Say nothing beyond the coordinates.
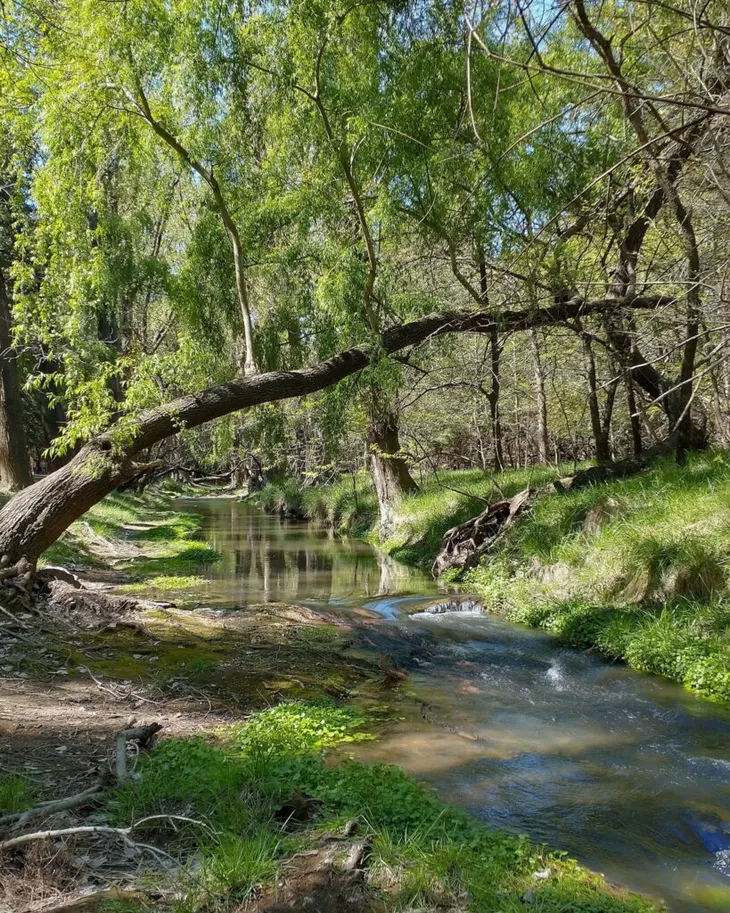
(266, 559)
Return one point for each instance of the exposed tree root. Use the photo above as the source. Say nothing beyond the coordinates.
(463, 545)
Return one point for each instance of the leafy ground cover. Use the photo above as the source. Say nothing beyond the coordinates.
(263, 794)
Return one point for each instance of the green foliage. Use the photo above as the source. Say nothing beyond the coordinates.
(296, 727)
(16, 794)
(427, 853)
(637, 568)
(449, 498)
(445, 499)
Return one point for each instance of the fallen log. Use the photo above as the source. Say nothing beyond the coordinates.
(462, 546)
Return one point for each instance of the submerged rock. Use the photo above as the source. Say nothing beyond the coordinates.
(466, 606)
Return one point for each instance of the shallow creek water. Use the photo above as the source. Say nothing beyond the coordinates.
(628, 773)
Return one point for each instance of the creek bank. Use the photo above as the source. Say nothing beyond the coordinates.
(635, 568)
(250, 702)
(247, 813)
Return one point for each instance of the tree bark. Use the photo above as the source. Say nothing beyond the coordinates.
(390, 471)
(600, 434)
(493, 399)
(496, 384)
(33, 519)
(542, 420)
(679, 395)
(14, 460)
(634, 416)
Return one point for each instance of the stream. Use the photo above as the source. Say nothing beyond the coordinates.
(628, 773)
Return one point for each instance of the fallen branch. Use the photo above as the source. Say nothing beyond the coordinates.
(95, 899)
(143, 735)
(55, 805)
(356, 856)
(123, 832)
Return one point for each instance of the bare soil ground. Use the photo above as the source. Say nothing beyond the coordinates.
(107, 663)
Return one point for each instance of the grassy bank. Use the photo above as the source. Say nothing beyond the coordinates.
(266, 818)
(638, 569)
(140, 537)
(350, 507)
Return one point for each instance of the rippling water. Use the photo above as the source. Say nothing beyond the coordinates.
(628, 773)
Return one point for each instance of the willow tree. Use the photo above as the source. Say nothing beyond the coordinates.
(359, 177)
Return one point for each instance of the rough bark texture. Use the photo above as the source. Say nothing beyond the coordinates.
(634, 416)
(495, 353)
(542, 418)
(390, 470)
(601, 427)
(36, 517)
(493, 398)
(14, 461)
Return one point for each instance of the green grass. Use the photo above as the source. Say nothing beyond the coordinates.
(165, 582)
(451, 498)
(639, 569)
(166, 540)
(428, 854)
(349, 505)
(175, 560)
(16, 794)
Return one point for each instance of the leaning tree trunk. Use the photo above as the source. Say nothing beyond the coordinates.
(14, 461)
(36, 516)
(390, 472)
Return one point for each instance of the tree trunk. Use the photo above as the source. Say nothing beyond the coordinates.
(36, 516)
(496, 385)
(542, 420)
(14, 460)
(390, 472)
(600, 434)
(634, 416)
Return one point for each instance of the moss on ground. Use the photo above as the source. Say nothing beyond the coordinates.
(262, 796)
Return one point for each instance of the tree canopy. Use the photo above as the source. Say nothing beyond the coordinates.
(197, 192)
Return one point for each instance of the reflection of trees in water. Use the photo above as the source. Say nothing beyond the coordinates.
(267, 559)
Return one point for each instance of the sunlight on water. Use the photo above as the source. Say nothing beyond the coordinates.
(628, 773)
